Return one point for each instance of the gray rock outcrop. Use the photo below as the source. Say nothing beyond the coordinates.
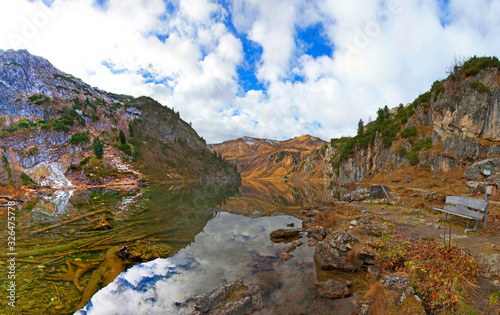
(333, 251)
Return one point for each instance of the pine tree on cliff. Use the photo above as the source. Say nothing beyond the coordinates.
(121, 136)
(361, 127)
(98, 147)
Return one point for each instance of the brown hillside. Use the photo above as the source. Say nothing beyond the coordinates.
(264, 158)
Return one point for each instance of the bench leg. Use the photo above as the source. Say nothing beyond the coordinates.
(445, 218)
(473, 229)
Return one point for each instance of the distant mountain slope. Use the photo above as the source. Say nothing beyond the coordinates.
(264, 158)
(49, 120)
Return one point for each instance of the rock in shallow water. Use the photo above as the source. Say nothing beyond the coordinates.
(332, 289)
(285, 233)
(232, 298)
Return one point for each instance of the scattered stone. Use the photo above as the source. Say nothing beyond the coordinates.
(311, 242)
(322, 208)
(496, 283)
(310, 213)
(417, 211)
(491, 265)
(308, 221)
(285, 233)
(290, 224)
(477, 186)
(368, 256)
(454, 236)
(289, 248)
(400, 285)
(354, 223)
(232, 298)
(373, 272)
(333, 252)
(437, 226)
(321, 230)
(318, 237)
(431, 196)
(286, 256)
(332, 289)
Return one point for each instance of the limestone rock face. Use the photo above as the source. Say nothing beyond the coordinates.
(23, 74)
(461, 122)
(42, 108)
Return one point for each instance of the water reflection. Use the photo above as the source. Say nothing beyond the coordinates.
(233, 244)
(65, 226)
(53, 207)
(216, 232)
(230, 246)
(262, 197)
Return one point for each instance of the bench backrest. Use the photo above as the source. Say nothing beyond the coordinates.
(467, 202)
(463, 205)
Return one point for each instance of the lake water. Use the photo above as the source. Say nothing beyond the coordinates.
(210, 235)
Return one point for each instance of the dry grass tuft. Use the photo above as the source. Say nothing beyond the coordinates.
(328, 219)
(379, 304)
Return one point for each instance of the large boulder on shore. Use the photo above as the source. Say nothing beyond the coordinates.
(333, 252)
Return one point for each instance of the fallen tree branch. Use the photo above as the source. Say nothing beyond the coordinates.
(66, 222)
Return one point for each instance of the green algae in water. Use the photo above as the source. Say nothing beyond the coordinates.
(159, 218)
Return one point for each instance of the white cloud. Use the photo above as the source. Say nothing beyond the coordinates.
(385, 53)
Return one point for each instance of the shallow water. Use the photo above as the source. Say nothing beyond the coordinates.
(213, 234)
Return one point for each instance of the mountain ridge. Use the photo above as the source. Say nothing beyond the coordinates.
(265, 158)
(49, 120)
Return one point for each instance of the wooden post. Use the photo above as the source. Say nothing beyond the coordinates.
(387, 195)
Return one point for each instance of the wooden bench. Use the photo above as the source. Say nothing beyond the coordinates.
(465, 207)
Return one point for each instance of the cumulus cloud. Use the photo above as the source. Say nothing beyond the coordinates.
(189, 54)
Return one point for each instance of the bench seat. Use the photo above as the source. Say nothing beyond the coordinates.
(465, 207)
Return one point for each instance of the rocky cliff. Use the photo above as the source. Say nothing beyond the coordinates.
(263, 158)
(453, 125)
(50, 119)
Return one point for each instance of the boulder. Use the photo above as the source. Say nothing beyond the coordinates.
(368, 256)
(400, 285)
(475, 171)
(332, 289)
(285, 233)
(333, 252)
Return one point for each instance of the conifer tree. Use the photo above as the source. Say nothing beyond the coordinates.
(98, 147)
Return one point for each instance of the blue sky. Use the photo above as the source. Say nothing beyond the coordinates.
(271, 69)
